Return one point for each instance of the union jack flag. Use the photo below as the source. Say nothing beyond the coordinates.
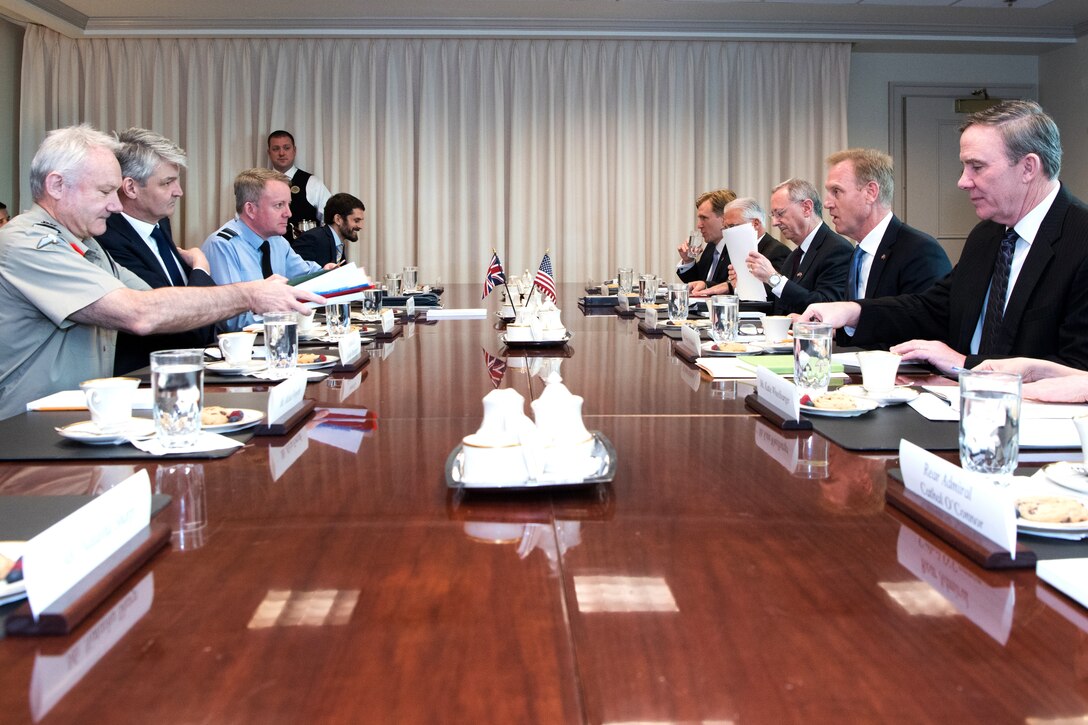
(496, 368)
(543, 279)
(495, 275)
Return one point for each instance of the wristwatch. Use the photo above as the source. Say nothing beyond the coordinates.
(774, 280)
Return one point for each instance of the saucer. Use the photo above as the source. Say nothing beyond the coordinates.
(1068, 474)
(87, 432)
(894, 396)
(223, 367)
(863, 406)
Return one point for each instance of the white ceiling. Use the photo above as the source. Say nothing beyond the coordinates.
(1021, 26)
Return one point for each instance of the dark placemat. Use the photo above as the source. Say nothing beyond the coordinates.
(24, 517)
(31, 436)
(882, 429)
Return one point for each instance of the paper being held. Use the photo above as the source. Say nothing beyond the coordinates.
(738, 242)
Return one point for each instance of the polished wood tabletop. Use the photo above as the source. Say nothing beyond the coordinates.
(730, 573)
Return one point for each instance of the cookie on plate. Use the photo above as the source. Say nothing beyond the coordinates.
(1052, 510)
(835, 401)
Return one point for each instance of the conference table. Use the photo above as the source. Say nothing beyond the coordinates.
(730, 573)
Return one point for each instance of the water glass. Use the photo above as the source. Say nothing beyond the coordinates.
(724, 317)
(372, 304)
(696, 243)
(647, 289)
(812, 357)
(625, 280)
(281, 342)
(410, 278)
(184, 484)
(177, 389)
(989, 421)
(393, 284)
(678, 302)
(338, 320)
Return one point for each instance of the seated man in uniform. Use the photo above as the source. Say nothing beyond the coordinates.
(62, 299)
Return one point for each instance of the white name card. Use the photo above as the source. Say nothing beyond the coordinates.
(284, 397)
(971, 498)
(778, 392)
(387, 320)
(410, 307)
(689, 337)
(651, 317)
(351, 347)
(624, 302)
(58, 558)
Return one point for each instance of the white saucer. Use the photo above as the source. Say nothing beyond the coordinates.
(225, 368)
(87, 432)
(328, 362)
(895, 396)
(864, 405)
(749, 349)
(1068, 474)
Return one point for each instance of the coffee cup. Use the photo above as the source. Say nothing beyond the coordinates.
(776, 327)
(306, 323)
(110, 401)
(878, 369)
(237, 347)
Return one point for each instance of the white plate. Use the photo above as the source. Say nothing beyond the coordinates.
(895, 396)
(775, 347)
(1029, 526)
(225, 368)
(749, 349)
(87, 432)
(864, 406)
(250, 417)
(535, 343)
(328, 362)
(1068, 474)
(687, 323)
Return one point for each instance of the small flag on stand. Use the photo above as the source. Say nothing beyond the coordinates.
(495, 275)
(496, 368)
(543, 280)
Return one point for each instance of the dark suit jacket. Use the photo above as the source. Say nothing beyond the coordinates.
(774, 250)
(701, 269)
(1047, 313)
(130, 251)
(821, 276)
(317, 245)
(907, 261)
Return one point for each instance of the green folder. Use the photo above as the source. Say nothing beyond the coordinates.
(779, 364)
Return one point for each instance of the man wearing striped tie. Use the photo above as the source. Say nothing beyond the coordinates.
(1021, 285)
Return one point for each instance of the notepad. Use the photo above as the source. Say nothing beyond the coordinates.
(779, 364)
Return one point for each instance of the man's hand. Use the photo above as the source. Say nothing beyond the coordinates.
(759, 266)
(331, 265)
(935, 353)
(686, 256)
(275, 295)
(836, 314)
(696, 287)
(195, 259)
(1030, 369)
(722, 288)
(1064, 389)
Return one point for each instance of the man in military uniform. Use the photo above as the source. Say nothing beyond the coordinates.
(308, 193)
(62, 298)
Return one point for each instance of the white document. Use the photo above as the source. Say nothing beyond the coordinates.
(1069, 576)
(77, 400)
(725, 367)
(1048, 433)
(970, 498)
(58, 558)
(341, 285)
(738, 242)
(435, 313)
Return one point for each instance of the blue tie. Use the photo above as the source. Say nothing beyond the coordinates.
(713, 266)
(999, 287)
(854, 288)
(166, 253)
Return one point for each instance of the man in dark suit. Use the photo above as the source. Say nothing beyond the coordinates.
(1021, 285)
(712, 266)
(747, 211)
(816, 270)
(139, 238)
(344, 216)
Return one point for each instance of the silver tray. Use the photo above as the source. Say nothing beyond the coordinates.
(603, 450)
(535, 343)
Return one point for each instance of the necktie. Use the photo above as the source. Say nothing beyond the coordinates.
(796, 261)
(854, 288)
(266, 259)
(166, 254)
(999, 287)
(713, 266)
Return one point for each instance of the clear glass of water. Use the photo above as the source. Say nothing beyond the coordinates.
(281, 342)
(410, 278)
(338, 320)
(647, 289)
(989, 422)
(177, 389)
(696, 243)
(394, 285)
(812, 357)
(724, 317)
(625, 280)
(372, 304)
(678, 302)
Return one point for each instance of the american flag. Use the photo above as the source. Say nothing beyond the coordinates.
(495, 275)
(496, 368)
(543, 279)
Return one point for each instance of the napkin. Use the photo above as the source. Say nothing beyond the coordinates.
(1069, 576)
(933, 408)
(205, 442)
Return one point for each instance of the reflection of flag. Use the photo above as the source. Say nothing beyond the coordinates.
(496, 368)
(543, 279)
(495, 275)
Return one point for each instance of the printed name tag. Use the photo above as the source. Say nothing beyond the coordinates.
(624, 302)
(410, 307)
(284, 397)
(689, 336)
(778, 392)
(387, 321)
(351, 347)
(651, 318)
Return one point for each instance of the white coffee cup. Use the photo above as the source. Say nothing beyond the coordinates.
(110, 401)
(306, 323)
(776, 327)
(878, 369)
(237, 347)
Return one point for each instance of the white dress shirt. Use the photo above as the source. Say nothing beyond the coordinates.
(144, 230)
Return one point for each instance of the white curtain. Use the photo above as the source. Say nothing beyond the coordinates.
(593, 149)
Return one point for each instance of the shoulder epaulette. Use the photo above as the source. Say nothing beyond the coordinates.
(226, 233)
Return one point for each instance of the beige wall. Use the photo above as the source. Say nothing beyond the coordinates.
(11, 52)
(1063, 91)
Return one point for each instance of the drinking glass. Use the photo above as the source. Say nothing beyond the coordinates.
(338, 320)
(724, 317)
(678, 302)
(372, 304)
(647, 289)
(410, 278)
(281, 342)
(177, 389)
(393, 285)
(989, 421)
(184, 483)
(812, 357)
(625, 280)
(696, 243)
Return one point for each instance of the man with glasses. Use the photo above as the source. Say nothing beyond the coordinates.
(745, 211)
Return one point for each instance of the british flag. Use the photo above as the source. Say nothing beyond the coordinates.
(496, 368)
(543, 280)
(495, 275)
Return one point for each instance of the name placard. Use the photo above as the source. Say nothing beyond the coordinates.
(689, 337)
(624, 302)
(58, 558)
(410, 307)
(387, 320)
(651, 317)
(351, 347)
(285, 396)
(778, 392)
(971, 498)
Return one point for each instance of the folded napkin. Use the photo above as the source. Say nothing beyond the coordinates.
(931, 407)
(205, 442)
